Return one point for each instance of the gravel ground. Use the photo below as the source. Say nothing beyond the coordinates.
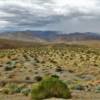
(76, 96)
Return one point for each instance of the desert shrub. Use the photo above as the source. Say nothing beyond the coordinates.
(36, 60)
(55, 76)
(59, 69)
(97, 89)
(2, 55)
(2, 84)
(10, 65)
(1, 65)
(26, 91)
(8, 68)
(12, 88)
(38, 78)
(50, 87)
(27, 78)
(5, 91)
(71, 71)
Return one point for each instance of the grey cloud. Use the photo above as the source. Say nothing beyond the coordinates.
(24, 17)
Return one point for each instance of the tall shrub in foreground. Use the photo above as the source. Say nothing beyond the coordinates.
(50, 87)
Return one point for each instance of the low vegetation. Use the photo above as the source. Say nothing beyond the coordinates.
(77, 66)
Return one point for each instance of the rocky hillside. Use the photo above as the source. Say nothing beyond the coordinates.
(49, 36)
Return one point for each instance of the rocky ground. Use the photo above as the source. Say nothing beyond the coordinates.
(78, 66)
(77, 96)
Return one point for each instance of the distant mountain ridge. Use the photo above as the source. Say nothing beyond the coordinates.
(49, 36)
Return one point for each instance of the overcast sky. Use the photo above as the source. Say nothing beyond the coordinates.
(60, 15)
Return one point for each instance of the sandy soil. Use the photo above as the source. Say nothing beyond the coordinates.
(78, 95)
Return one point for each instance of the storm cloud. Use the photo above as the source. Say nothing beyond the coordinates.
(61, 15)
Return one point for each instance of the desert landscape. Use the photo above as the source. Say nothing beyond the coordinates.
(78, 66)
(49, 49)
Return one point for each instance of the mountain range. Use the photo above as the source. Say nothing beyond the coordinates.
(49, 36)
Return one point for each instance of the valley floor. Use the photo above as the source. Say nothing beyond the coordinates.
(78, 66)
(77, 96)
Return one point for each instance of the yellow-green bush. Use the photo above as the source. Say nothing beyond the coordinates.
(50, 87)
